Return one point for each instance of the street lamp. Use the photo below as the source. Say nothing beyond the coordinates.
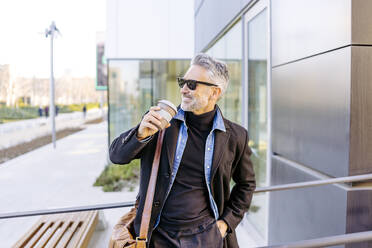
(52, 31)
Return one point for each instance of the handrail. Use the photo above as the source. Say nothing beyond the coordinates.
(315, 183)
(66, 210)
(129, 204)
(327, 241)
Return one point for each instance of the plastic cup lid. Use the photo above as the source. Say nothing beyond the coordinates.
(169, 104)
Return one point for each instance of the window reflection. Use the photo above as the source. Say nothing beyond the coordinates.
(229, 50)
(136, 85)
(257, 113)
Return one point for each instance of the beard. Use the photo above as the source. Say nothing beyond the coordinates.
(192, 103)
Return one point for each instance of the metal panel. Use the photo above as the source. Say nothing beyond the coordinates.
(362, 22)
(301, 28)
(359, 215)
(361, 108)
(311, 111)
(304, 213)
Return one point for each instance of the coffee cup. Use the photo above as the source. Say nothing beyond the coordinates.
(167, 111)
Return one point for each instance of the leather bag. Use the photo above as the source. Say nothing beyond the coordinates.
(123, 233)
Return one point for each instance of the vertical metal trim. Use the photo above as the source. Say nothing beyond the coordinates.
(244, 111)
(269, 117)
(108, 104)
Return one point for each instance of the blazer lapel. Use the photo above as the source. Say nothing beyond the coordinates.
(220, 141)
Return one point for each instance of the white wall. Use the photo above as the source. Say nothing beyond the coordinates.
(150, 29)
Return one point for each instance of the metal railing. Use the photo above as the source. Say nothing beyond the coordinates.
(319, 242)
(129, 204)
(327, 241)
(348, 179)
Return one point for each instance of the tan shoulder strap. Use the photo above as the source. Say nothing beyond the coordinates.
(146, 215)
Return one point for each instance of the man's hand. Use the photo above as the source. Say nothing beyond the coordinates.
(222, 226)
(150, 123)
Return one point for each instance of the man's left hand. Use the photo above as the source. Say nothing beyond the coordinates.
(222, 226)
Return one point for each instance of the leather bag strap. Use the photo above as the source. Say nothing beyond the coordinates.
(146, 215)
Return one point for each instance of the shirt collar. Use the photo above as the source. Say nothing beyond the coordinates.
(217, 121)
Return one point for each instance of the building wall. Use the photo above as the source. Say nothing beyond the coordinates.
(149, 29)
(315, 87)
(148, 45)
(321, 113)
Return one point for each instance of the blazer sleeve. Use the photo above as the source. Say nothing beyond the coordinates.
(127, 147)
(242, 192)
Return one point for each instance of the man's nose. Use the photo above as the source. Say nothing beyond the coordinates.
(184, 89)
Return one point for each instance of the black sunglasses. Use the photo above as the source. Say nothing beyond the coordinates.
(191, 84)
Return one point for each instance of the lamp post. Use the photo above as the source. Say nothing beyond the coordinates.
(52, 32)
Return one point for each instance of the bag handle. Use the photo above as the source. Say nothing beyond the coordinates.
(146, 215)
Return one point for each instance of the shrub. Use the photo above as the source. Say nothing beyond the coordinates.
(115, 177)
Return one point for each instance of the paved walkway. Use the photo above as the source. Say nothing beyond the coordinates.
(47, 178)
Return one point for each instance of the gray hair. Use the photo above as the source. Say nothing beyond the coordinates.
(217, 70)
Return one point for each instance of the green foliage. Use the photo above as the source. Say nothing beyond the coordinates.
(254, 208)
(64, 109)
(21, 113)
(115, 177)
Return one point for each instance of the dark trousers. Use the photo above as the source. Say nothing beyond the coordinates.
(206, 235)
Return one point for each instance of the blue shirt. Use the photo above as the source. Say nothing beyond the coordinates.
(208, 157)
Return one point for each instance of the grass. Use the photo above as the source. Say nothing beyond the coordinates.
(116, 177)
(12, 114)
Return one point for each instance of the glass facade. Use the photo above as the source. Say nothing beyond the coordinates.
(229, 50)
(257, 113)
(136, 85)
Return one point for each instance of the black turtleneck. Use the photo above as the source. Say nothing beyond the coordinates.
(188, 202)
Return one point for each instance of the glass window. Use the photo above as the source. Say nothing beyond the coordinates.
(257, 113)
(229, 50)
(136, 85)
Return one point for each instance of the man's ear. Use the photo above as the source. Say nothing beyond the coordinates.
(217, 92)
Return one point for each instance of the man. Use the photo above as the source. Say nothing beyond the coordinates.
(193, 205)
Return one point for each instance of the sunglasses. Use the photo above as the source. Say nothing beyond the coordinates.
(191, 84)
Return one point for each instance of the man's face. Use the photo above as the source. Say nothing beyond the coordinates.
(204, 97)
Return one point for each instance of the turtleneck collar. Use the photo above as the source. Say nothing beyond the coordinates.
(202, 122)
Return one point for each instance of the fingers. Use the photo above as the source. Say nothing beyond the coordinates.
(150, 126)
(153, 119)
(155, 108)
(154, 114)
(151, 123)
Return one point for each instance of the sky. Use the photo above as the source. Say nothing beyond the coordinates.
(24, 46)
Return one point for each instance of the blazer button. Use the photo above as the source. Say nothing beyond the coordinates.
(167, 175)
(156, 204)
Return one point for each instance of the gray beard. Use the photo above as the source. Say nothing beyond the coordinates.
(194, 104)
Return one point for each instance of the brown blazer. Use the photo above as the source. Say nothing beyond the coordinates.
(231, 160)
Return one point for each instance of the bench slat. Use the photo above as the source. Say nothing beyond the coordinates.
(28, 236)
(88, 230)
(38, 236)
(72, 230)
(50, 235)
(64, 227)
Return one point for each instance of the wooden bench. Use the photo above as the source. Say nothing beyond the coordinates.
(61, 230)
